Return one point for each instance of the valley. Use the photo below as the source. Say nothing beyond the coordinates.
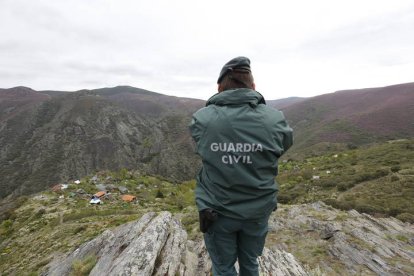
(346, 185)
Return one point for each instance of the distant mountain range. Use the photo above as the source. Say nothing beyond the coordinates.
(54, 136)
(48, 137)
(283, 103)
(353, 117)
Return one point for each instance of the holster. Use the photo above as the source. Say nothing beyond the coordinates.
(207, 218)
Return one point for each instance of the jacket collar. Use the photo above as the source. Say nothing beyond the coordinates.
(237, 97)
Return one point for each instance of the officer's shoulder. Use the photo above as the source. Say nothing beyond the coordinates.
(271, 111)
(204, 112)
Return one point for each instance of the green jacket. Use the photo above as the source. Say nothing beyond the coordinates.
(239, 140)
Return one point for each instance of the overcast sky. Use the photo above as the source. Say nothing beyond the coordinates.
(297, 48)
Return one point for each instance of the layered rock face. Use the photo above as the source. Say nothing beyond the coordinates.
(158, 245)
(310, 239)
(343, 243)
(52, 137)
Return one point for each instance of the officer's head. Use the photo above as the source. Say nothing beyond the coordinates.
(236, 74)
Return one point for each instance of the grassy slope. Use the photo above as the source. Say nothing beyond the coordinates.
(45, 225)
(377, 179)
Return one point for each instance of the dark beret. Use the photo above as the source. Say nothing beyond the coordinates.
(239, 63)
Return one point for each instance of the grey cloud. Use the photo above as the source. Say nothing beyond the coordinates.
(379, 35)
(6, 46)
(36, 17)
(107, 68)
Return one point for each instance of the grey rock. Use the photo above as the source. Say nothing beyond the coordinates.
(158, 245)
(101, 187)
(353, 244)
(111, 187)
(279, 262)
(360, 243)
(123, 189)
(80, 191)
(329, 230)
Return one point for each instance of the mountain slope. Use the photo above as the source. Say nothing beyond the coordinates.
(54, 136)
(68, 236)
(354, 116)
(69, 135)
(283, 103)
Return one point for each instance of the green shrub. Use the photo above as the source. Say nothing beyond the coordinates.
(83, 267)
(159, 194)
(341, 205)
(79, 229)
(6, 227)
(380, 173)
(394, 178)
(343, 187)
(284, 198)
(406, 217)
(369, 209)
(307, 174)
(363, 177)
(351, 146)
(287, 197)
(328, 182)
(395, 169)
(9, 214)
(394, 212)
(39, 213)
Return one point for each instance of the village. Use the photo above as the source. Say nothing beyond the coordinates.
(106, 199)
(123, 187)
(108, 192)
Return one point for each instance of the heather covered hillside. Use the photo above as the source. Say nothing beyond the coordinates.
(141, 101)
(60, 136)
(48, 137)
(18, 99)
(283, 103)
(353, 117)
(376, 179)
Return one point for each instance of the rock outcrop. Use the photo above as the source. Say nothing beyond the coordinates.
(157, 245)
(308, 239)
(350, 242)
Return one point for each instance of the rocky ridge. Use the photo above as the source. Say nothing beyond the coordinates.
(157, 245)
(311, 239)
(47, 138)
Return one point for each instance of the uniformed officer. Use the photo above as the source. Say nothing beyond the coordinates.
(239, 140)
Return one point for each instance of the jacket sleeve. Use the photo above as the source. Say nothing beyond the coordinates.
(286, 134)
(197, 127)
(283, 134)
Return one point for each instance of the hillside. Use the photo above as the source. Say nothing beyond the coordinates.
(281, 104)
(308, 237)
(18, 99)
(48, 137)
(54, 137)
(353, 116)
(376, 179)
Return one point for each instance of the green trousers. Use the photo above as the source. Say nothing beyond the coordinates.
(228, 240)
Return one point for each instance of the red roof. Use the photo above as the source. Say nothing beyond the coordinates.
(128, 198)
(100, 194)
